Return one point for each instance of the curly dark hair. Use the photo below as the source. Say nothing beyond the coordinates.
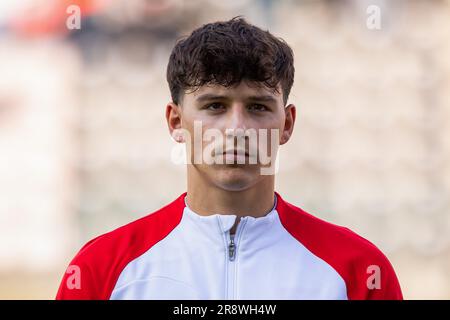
(226, 52)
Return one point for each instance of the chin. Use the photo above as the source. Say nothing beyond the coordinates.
(234, 178)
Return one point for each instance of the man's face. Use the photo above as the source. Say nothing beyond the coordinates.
(234, 132)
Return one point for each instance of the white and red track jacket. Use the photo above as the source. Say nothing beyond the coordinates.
(174, 253)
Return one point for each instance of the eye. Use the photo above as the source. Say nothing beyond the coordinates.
(257, 107)
(214, 106)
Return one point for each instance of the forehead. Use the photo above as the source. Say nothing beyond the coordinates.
(241, 91)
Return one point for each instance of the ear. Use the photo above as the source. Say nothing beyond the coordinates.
(288, 123)
(173, 118)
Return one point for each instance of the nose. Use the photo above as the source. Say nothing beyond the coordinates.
(236, 126)
(237, 118)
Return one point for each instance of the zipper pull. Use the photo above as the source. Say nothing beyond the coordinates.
(231, 248)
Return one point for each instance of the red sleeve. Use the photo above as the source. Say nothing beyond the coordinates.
(367, 272)
(374, 277)
(79, 280)
(94, 271)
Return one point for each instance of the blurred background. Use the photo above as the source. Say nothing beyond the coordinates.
(84, 146)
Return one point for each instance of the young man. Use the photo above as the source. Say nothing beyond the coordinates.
(230, 236)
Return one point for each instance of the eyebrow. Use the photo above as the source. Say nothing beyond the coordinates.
(210, 96)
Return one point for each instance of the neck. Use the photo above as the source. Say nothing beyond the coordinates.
(206, 199)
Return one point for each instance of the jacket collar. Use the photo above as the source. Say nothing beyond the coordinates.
(222, 223)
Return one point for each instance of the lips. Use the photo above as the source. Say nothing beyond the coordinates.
(236, 152)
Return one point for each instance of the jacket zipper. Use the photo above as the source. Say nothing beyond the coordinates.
(231, 248)
(232, 264)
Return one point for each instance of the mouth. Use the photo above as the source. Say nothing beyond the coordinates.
(233, 152)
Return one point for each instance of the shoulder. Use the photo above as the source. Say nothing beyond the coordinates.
(100, 261)
(131, 238)
(315, 232)
(355, 258)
